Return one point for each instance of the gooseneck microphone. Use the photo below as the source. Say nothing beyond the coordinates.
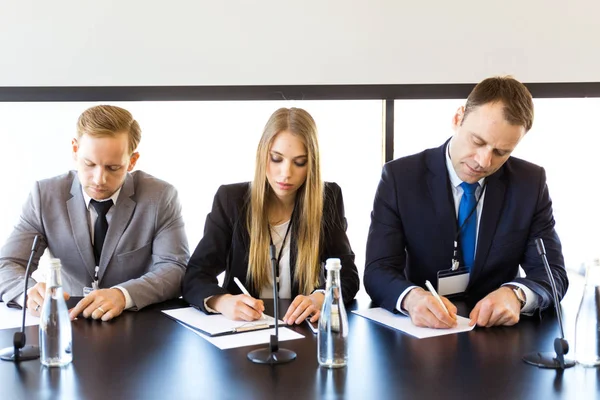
(273, 354)
(561, 346)
(20, 352)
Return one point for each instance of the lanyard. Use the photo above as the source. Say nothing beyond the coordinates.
(282, 243)
(455, 263)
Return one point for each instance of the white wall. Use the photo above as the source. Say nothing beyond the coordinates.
(268, 42)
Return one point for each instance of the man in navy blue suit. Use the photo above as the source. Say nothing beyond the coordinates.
(467, 213)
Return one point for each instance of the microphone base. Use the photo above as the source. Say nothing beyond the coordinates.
(546, 360)
(266, 356)
(25, 354)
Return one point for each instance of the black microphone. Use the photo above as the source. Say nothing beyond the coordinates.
(20, 352)
(273, 354)
(561, 346)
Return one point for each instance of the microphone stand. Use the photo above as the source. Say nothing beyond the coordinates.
(561, 346)
(20, 352)
(273, 354)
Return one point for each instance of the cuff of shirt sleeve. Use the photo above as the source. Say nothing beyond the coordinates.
(531, 298)
(128, 300)
(208, 308)
(17, 302)
(399, 302)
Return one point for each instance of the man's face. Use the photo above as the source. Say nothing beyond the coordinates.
(482, 142)
(102, 163)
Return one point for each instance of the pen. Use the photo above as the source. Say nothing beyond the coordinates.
(245, 291)
(437, 296)
(250, 328)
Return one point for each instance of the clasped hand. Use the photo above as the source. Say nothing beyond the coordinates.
(103, 304)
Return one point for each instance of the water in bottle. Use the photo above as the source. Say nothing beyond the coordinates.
(332, 338)
(55, 324)
(587, 324)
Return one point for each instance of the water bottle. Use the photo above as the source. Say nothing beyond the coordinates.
(55, 324)
(332, 338)
(587, 324)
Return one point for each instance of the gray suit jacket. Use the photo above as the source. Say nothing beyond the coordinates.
(145, 250)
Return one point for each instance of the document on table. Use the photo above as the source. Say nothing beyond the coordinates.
(12, 318)
(225, 333)
(247, 338)
(404, 324)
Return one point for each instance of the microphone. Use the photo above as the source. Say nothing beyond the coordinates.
(273, 354)
(20, 352)
(561, 346)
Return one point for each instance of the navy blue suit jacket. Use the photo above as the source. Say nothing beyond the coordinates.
(226, 244)
(413, 225)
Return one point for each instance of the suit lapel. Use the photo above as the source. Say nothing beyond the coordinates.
(78, 218)
(492, 209)
(441, 195)
(119, 221)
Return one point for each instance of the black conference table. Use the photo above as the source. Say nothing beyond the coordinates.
(145, 355)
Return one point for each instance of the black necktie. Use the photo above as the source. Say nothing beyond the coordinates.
(101, 226)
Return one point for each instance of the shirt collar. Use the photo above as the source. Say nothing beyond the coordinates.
(454, 179)
(87, 198)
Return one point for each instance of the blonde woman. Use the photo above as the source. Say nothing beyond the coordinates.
(287, 204)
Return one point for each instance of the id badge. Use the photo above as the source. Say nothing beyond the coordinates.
(87, 290)
(452, 282)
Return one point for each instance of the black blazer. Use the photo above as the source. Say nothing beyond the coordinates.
(226, 244)
(413, 225)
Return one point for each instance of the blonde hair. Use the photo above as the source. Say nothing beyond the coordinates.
(104, 120)
(308, 210)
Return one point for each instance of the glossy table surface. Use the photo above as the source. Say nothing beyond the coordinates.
(145, 355)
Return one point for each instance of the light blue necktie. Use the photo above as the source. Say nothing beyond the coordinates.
(468, 233)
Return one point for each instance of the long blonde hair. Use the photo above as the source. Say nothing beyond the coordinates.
(308, 210)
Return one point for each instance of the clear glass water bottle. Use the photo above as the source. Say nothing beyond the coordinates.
(587, 324)
(55, 324)
(332, 338)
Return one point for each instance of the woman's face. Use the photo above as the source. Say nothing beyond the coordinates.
(287, 165)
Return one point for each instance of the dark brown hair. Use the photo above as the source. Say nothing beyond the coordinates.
(516, 98)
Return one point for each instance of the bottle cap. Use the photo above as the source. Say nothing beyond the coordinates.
(333, 264)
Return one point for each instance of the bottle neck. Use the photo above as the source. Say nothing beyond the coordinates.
(333, 278)
(54, 278)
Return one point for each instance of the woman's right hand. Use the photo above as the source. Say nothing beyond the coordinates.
(240, 307)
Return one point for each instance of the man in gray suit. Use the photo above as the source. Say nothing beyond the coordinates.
(119, 234)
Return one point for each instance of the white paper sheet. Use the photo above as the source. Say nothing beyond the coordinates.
(247, 338)
(215, 323)
(404, 324)
(12, 318)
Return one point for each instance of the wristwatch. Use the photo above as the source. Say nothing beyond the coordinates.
(519, 293)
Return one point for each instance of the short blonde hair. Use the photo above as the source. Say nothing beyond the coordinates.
(105, 120)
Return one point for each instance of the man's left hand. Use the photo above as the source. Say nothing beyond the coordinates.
(104, 304)
(501, 307)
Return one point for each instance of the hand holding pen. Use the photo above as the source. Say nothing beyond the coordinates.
(241, 307)
(245, 291)
(428, 309)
